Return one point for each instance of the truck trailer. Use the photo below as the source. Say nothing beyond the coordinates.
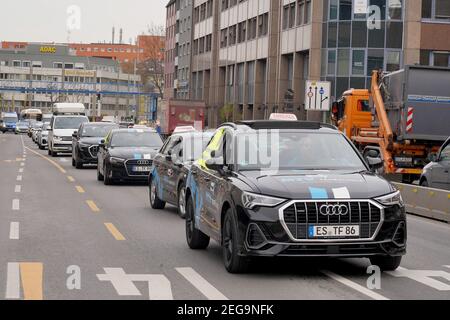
(403, 118)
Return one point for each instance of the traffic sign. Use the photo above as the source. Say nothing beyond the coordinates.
(317, 96)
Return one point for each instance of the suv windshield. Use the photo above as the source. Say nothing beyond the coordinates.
(136, 139)
(293, 150)
(69, 122)
(9, 119)
(97, 131)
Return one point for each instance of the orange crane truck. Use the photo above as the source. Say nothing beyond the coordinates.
(402, 119)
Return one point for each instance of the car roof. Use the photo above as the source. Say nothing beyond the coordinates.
(133, 130)
(280, 124)
(194, 134)
(100, 124)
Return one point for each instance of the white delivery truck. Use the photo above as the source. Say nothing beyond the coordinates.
(67, 118)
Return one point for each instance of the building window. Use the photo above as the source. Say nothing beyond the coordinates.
(37, 64)
(57, 65)
(232, 33)
(223, 38)
(343, 62)
(331, 62)
(68, 66)
(345, 9)
(208, 43)
(440, 59)
(393, 61)
(210, 8)
(252, 29)
(358, 62)
(436, 9)
(17, 63)
(395, 9)
(26, 64)
(308, 11)
(290, 71)
(300, 12)
(333, 9)
(250, 82)
(263, 24)
(242, 31)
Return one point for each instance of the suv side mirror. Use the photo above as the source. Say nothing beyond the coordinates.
(169, 156)
(215, 164)
(102, 144)
(374, 162)
(433, 157)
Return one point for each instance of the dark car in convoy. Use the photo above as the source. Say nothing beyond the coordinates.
(436, 174)
(292, 188)
(171, 167)
(86, 140)
(127, 155)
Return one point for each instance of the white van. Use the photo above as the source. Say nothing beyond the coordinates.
(67, 118)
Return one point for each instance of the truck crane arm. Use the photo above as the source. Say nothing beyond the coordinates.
(385, 129)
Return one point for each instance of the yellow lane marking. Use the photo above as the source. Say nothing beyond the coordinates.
(79, 189)
(71, 179)
(31, 275)
(49, 160)
(116, 234)
(93, 206)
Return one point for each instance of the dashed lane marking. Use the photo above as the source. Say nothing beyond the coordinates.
(116, 233)
(21, 170)
(71, 179)
(16, 204)
(18, 189)
(31, 275)
(13, 281)
(93, 206)
(60, 168)
(19, 178)
(14, 231)
(354, 285)
(22, 164)
(80, 189)
(207, 289)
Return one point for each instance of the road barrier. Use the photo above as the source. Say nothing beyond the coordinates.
(426, 202)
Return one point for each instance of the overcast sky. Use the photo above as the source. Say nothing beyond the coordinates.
(48, 20)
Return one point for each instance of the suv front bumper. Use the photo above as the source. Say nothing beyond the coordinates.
(264, 234)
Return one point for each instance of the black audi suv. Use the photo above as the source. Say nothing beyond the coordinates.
(86, 140)
(171, 167)
(127, 155)
(292, 188)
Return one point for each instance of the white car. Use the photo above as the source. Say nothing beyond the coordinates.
(61, 131)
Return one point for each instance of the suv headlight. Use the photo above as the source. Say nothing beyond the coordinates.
(391, 199)
(83, 145)
(115, 160)
(251, 200)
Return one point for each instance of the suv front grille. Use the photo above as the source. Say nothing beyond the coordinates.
(93, 151)
(299, 215)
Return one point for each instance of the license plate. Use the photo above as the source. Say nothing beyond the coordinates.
(141, 169)
(333, 231)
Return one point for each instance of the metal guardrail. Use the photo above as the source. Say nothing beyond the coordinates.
(426, 202)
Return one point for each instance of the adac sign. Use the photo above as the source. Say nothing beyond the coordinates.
(47, 49)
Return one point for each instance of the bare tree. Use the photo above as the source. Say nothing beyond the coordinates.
(150, 64)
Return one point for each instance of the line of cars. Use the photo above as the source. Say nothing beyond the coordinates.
(258, 188)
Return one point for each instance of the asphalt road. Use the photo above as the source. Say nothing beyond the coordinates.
(64, 235)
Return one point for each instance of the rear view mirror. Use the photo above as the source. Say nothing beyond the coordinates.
(374, 163)
(432, 157)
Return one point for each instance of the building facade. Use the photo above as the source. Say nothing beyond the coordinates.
(146, 47)
(253, 57)
(38, 75)
(171, 49)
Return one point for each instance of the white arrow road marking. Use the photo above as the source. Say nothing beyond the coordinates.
(425, 277)
(159, 286)
(354, 285)
(16, 204)
(18, 189)
(13, 281)
(207, 289)
(14, 231)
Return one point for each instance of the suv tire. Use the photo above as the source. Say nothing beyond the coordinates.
(106, 179)
(181, 195)
(234, 263)
(100, 177)
(386, 263)
(196, 239)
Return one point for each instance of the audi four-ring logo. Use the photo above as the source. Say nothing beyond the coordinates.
(333, 210)
(143, 162)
